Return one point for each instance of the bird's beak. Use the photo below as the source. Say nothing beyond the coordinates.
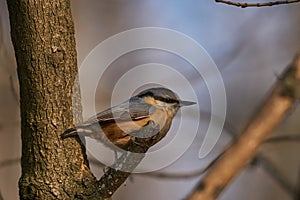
(186, 103)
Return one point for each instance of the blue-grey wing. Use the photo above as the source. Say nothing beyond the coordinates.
(126, 111)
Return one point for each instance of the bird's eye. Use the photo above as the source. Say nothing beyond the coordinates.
(168, 100)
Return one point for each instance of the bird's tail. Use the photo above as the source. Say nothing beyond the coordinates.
(71, 132)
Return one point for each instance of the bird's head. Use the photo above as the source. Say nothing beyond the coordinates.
(163, 98)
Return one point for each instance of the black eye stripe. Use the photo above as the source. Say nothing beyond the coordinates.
(167, 100)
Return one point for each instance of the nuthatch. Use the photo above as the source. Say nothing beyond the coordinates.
(119, 123)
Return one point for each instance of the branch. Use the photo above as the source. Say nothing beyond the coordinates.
(284, 138)
(13, 89)
(281, 99)
(170, 175)
(275, 173)
(117, 174)
(244, 5)
(259, 160)
(164, 175)
(10, 162)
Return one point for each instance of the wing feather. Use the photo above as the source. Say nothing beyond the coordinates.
(123, 112)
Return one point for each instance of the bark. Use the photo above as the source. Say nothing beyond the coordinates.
(43, 37)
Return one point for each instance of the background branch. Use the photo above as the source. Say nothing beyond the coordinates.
(244, 5)
(1, 197)
(284, 138)
(281, 99)
(271, 169)
(297, 193)
(13, 89)
(9, 162)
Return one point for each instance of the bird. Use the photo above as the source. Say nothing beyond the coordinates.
(120, 124)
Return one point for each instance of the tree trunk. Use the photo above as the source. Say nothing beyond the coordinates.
(43, 37)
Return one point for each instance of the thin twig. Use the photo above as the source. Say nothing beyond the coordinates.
(165, 175)
(13, 89)
(285, 93)
(270, 168)
(168, 175)
(174, 175)
(275, 173)
(244, 5)
(9, 162)
(192, 174)
(284, 138)
(259, 160)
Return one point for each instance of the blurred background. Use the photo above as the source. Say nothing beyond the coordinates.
(250, 47)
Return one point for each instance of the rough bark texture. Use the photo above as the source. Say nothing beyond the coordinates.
(43, 38)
